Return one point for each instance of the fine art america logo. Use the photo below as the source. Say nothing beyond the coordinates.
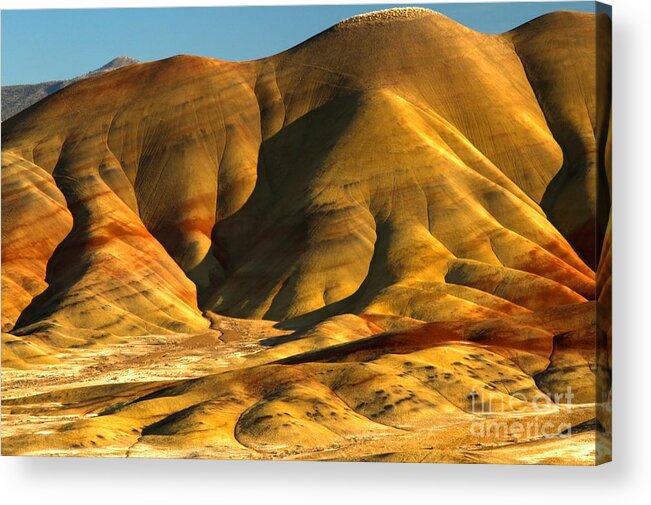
(515, 415)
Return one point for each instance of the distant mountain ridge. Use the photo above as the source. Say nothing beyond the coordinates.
(20, 96)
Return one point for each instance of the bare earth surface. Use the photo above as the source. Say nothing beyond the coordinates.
(43, 404)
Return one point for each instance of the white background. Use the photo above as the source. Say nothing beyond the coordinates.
(627, 479)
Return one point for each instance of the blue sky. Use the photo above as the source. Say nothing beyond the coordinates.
(43, 45)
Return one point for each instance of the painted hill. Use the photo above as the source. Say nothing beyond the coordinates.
(312, 182)
(396, 190)
(18, 97)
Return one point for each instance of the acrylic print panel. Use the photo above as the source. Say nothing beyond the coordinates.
(355, 234)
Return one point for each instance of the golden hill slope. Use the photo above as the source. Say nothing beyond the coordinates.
(356, 163)
(572, 86)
